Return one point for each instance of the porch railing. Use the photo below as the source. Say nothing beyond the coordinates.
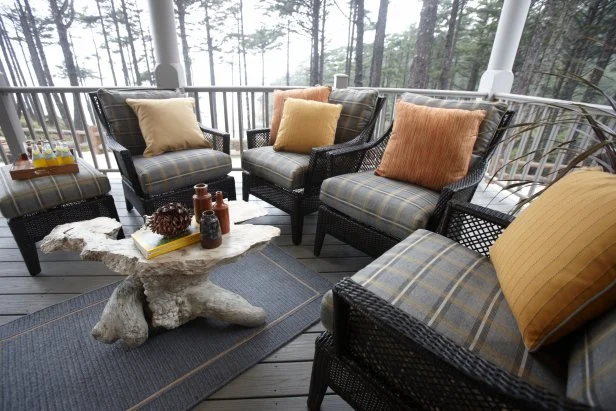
(50, 112)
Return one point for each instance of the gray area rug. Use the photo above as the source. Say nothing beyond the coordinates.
(48, 360)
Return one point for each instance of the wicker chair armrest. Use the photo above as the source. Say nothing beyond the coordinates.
(220, 140)
(473, 226)
(422, 364)
(124, 158)
(259, 137)
(346, 160)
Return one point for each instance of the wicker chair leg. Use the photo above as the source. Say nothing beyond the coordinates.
(27, 247)
(129, 205)
(297, 225)
(318, 379)
(319, 237)
(245, 185)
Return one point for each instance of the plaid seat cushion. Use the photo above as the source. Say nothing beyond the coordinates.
(357, 109)
(180, 169)
(122, 119)
(19, 197)
(487, 128)
(281, 168)
(592, 365)
(393, 207)
(455, 291)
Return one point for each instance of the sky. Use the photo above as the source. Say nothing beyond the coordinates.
(401, 14)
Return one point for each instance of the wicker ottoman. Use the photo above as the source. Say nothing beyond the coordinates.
(34, 207)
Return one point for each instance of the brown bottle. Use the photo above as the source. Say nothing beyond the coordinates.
(222, 212)
(202, 201)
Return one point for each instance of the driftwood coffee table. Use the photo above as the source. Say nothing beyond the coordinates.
(171, 289)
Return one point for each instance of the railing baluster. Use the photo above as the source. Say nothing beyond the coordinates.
(266, 120)
(101, 135)
(85, 126)
(252, 100)
(224, 103)
(24, 110)
(3, 155)
(213, 109)
(197, 105)
(71, 125)
(240, 120)
(41, 118)
(52, 113)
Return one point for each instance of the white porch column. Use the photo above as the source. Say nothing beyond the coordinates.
(498, 78)
(169, 71)
(9, 122)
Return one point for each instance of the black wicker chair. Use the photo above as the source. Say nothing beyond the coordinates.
(381, 358)
(134, 193)
(367, 156)
(305, 200)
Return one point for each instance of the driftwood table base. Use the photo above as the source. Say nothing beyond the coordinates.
(166, 291)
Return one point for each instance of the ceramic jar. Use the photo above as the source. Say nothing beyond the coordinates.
(222, 212)
(211, 236)
(202, 201)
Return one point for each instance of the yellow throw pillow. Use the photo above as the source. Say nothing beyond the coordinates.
(307, 124)
(168, 124)
(556, 263)
(430, 146)
(318, 93)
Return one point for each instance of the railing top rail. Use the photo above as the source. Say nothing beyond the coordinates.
(75, 89)
(429, 92)
(550, 101)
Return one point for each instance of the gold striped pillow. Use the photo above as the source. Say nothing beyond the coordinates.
(556, 263)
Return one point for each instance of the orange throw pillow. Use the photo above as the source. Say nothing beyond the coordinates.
(430, 146)
(320, 94)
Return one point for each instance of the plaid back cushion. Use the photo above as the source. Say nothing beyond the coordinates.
(494, 112)
(123, 122)
(592, 365)
(357, 109)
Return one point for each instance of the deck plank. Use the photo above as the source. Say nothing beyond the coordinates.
(330, 403)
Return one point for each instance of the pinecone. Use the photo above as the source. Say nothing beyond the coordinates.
(170, 220)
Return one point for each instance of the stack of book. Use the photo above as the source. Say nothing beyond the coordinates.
(152, 245)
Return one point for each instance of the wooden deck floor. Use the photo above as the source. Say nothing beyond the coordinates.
(281, 380)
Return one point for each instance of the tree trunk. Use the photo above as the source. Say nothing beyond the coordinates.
(322, 54)
(114, 17)
(29, 36)
(145, 48)
(314, 35)
(449, 45)
(59, 14)
(473, 76)
(181, 5)
(243, 45)
(288, 76)
(602, 62)
(104, 30)
(379, 45)
(131, 42)
(359, 46)
(98, 58)
(350, 44)
(262, 67)
(419, 75)
(210, 46)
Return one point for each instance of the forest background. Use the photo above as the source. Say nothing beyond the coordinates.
(439, 44)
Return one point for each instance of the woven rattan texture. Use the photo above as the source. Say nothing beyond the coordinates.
(411, 362)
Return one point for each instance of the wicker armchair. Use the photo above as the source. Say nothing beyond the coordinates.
(151, 182)
(379, 356)
(374, 233)
(304, 199)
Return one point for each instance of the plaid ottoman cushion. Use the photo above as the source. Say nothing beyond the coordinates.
(487, 128)
(19, 197)
(284, 169)
(455, 291)
(357, 109)
(592, 365)
(122, 119)
(393, 207)
(180, 169)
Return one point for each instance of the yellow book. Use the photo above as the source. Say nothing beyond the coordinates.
(152, 245)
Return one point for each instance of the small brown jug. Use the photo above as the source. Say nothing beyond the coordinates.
(222, 212)
(202, 201)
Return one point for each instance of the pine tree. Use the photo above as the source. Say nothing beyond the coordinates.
(419, 75)
(379, 45)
